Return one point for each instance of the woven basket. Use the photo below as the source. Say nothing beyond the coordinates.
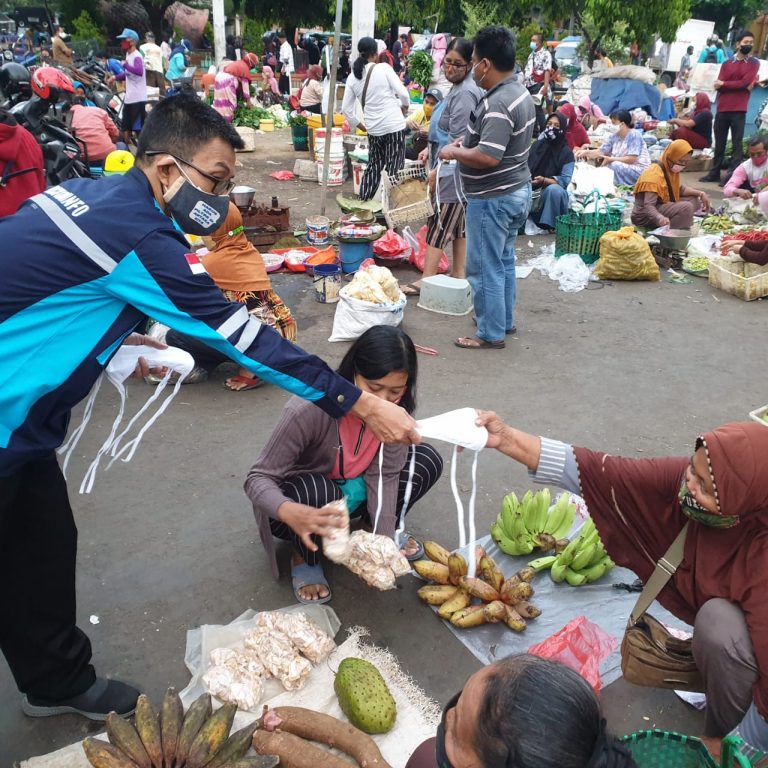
(666, 749)
(581, 232)
(418, 211)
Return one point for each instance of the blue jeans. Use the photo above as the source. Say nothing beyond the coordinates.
(492, 225)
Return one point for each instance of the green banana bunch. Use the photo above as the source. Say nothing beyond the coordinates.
(560, 518)
(523, 524)
(583, 561)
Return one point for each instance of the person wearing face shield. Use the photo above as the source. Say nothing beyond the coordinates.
(100, 258)
(498, 719)
(733, 85)
(661, 199)
(640, 506)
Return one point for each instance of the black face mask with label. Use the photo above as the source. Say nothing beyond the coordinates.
(745, 50)
(195, 211)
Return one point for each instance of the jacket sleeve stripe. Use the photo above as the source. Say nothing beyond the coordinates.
(248, 335)
(234, 323)
(70, 230)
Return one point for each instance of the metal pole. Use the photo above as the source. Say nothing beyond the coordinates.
(331, 104)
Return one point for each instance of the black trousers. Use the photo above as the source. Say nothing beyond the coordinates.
(204, 356)
(48, 655)
(724, 122)
(385, 153)
(541, 117)
(316, 490)
(284, 84)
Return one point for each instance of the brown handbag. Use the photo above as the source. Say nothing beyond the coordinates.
(650, 655)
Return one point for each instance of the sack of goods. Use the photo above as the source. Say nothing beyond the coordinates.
(372, 298)
(624, 255)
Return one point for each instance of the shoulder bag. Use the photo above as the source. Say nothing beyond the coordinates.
(365, 87)
(650, 655)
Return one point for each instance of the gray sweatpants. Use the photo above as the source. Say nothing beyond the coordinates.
(723, 651)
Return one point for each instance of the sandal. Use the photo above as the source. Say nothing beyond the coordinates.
(473, 342)
(304, 575)
(411, 290)
(418, 554)
(250, 382)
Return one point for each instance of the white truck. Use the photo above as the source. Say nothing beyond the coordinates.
(667, 56)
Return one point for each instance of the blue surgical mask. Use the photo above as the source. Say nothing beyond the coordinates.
(533, 46)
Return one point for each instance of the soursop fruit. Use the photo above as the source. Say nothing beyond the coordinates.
(364, 697)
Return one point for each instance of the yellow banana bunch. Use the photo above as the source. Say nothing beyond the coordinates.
(467, 601)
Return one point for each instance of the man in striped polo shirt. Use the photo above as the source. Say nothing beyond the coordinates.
(493, 165)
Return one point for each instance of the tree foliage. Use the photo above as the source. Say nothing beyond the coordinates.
(85, 28)
(721, 12)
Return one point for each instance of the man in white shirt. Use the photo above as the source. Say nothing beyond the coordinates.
(285, 61)
(153, 63)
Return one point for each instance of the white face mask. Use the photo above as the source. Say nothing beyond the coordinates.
(118, 370)
(458, 427)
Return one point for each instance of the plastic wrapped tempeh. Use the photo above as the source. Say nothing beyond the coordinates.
(280, 657)
(235, 676)
(375, 559)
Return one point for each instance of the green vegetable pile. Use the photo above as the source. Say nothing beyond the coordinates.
(420, 64)
(249, 117)
(714, 224)
(696, 263)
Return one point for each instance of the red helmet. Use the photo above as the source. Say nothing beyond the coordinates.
(48, 83)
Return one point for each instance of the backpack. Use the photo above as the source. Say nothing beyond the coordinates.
(711, 57)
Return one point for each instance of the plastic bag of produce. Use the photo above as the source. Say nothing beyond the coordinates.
(580, 645)
(372, 298)
(624, 255)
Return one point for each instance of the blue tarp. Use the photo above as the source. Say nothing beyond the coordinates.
(611, 94)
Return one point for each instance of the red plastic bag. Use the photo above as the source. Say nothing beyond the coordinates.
(581, 646)
(420, 254)
(392, 246)
(282, 175)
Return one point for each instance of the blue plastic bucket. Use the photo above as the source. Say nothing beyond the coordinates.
(327, 282)
(353, 255)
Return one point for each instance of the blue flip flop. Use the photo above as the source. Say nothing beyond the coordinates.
(308, 575)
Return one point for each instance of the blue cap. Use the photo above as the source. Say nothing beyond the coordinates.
(127, 34)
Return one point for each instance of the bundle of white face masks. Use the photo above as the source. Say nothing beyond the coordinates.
(458, 427)
(121, 367)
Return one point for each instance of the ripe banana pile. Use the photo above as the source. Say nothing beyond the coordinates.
(168, 740)
(523, 525)
(469, 601)
(583, 561)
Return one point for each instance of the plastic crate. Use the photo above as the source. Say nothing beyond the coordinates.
(666, 749)
(418, 211)
(745, 288)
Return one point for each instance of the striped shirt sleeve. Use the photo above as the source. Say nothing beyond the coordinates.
(557, 466)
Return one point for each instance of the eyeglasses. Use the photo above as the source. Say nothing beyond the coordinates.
(455, 65)
(220, 186)
(758, 154)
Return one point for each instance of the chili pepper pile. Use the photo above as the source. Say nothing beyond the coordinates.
(746, 234)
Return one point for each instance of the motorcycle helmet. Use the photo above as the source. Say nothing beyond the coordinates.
(15, 80)
(50, 83)
(118, 161)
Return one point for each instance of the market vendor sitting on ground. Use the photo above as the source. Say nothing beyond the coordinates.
(312, 459)
(641, 505)
(237, 268)
(93, 270)
(660, 197)
(750, 179)
(269, 93)
(752, 251)
(695, 126)
(625, 153)
(418, 124)
(551, 164)
(499, 716)
(311, 94)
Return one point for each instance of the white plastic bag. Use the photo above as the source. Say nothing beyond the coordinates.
(354, 317)
(588, 178)
(570, 272)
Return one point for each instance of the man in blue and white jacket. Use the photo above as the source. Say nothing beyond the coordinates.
(83, 265)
